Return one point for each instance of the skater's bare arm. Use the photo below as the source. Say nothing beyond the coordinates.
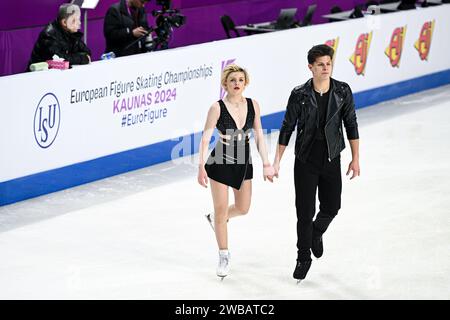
(268, 171)
(259, 135)
(211, 121)
(354, 164)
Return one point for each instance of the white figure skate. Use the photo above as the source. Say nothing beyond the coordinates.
(223, 269)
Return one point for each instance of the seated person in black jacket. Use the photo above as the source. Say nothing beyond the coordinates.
(61, 37)
(125, 22)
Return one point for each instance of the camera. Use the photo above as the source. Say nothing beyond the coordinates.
(166, 19)
(373, 9)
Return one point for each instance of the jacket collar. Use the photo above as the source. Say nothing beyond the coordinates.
(58, 28)
(334, 86)
(123, 7)
(337, 88)
(334, 100)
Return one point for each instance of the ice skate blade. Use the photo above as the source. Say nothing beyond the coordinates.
(221, 277)
(299, 281)
(210, 223)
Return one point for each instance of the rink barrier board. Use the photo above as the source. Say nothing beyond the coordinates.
(77, 174)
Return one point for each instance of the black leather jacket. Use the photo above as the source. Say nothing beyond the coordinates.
(118, 30)
(302, 111)
(55, 40)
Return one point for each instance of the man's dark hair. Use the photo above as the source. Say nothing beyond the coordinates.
(318, 51)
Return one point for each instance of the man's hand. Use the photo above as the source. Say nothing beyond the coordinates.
(139, 31)
(353, 166)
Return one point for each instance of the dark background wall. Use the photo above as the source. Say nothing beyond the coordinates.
(21, 22)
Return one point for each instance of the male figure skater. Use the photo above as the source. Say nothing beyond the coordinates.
(319, 107)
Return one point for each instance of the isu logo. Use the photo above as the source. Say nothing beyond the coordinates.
(394, 51)
(359, 57)
(224, 64)
(424, 42)
(46, 120)
(334, 44)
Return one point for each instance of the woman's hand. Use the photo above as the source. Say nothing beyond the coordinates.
(202, 176)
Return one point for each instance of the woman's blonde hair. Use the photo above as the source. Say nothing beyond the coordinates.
(233, 68)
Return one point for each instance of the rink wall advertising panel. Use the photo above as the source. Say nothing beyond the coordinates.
(65, 128)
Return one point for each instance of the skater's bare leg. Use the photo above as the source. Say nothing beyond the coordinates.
(242, 200)
(219, 193)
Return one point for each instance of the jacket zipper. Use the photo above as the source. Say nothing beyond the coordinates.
(326, 138)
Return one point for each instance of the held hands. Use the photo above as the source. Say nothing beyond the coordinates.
(353, 166)
(271, 171)
(268, 172)
(202, 176)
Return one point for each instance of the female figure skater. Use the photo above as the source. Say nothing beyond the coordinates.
(229, 164)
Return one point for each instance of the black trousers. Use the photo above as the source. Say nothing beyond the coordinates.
(316, 174)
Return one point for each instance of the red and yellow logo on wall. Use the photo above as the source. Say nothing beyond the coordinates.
(394, 51)
(423, 44)
(333, 43)
(359, 57)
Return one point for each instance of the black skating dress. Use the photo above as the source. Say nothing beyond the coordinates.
(230, 161)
